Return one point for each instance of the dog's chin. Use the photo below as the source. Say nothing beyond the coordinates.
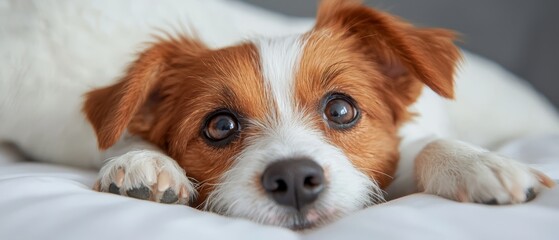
(306, 219)
(310, 219)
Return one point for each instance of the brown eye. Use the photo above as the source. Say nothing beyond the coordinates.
(340, 111)
(221, 128)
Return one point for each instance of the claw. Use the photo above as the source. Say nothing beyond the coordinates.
(544, 179)
(97, 186)
(119, 178)
(462, 195)
(183, 195)
(163, 182)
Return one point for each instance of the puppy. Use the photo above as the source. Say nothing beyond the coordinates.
(293, 131)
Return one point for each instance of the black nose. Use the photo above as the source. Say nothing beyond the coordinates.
(294, 182)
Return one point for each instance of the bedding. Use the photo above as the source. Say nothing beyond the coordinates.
(45, 201)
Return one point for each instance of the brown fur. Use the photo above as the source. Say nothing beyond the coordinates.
(379, 60)
(426, 54)
(329, 64)
(382, 63)
(167, 94)
(111, 109)
(226, 78)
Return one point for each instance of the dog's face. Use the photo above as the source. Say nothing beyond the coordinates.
(291, 131)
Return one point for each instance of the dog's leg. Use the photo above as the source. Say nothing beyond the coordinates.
(466, 173)
(138, 169)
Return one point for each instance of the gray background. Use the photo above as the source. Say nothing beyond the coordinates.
(521, 35)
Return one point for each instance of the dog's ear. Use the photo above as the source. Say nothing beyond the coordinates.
(406, 54)
(111, 109)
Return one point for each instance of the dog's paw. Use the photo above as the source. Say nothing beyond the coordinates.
(147, 175)
(470, 174)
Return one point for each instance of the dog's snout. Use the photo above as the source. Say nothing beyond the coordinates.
(294, 182)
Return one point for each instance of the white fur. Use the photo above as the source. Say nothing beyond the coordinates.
(146, 168)
(133, 163)
(493, 106)
(239, 193)
(477, 116)
(463, 172)
(53, 51)
(279, 59)
(287, 135)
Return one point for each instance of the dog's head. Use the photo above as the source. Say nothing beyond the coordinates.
(291, 131)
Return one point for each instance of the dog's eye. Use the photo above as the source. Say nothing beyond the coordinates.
(340, 111)
(221, 127)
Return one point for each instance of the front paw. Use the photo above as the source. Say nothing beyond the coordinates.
(147, 175)
(470, 174)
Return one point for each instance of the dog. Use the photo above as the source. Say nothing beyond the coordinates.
(292, 131)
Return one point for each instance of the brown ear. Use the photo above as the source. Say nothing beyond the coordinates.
(111, 109)
(404, 52)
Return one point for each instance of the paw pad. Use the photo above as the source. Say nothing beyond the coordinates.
(169, 196)
(114, 189)
(142, 192)
(530, 194)
(491, 202)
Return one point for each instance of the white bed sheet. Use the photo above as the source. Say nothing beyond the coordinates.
(43, 201)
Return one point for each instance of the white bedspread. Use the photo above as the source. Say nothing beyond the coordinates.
(42, 201)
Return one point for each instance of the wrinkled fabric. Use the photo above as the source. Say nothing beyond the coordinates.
(43, 201)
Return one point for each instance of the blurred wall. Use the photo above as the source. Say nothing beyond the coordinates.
(521, 35)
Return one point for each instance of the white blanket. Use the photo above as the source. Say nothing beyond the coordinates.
(43, 201)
